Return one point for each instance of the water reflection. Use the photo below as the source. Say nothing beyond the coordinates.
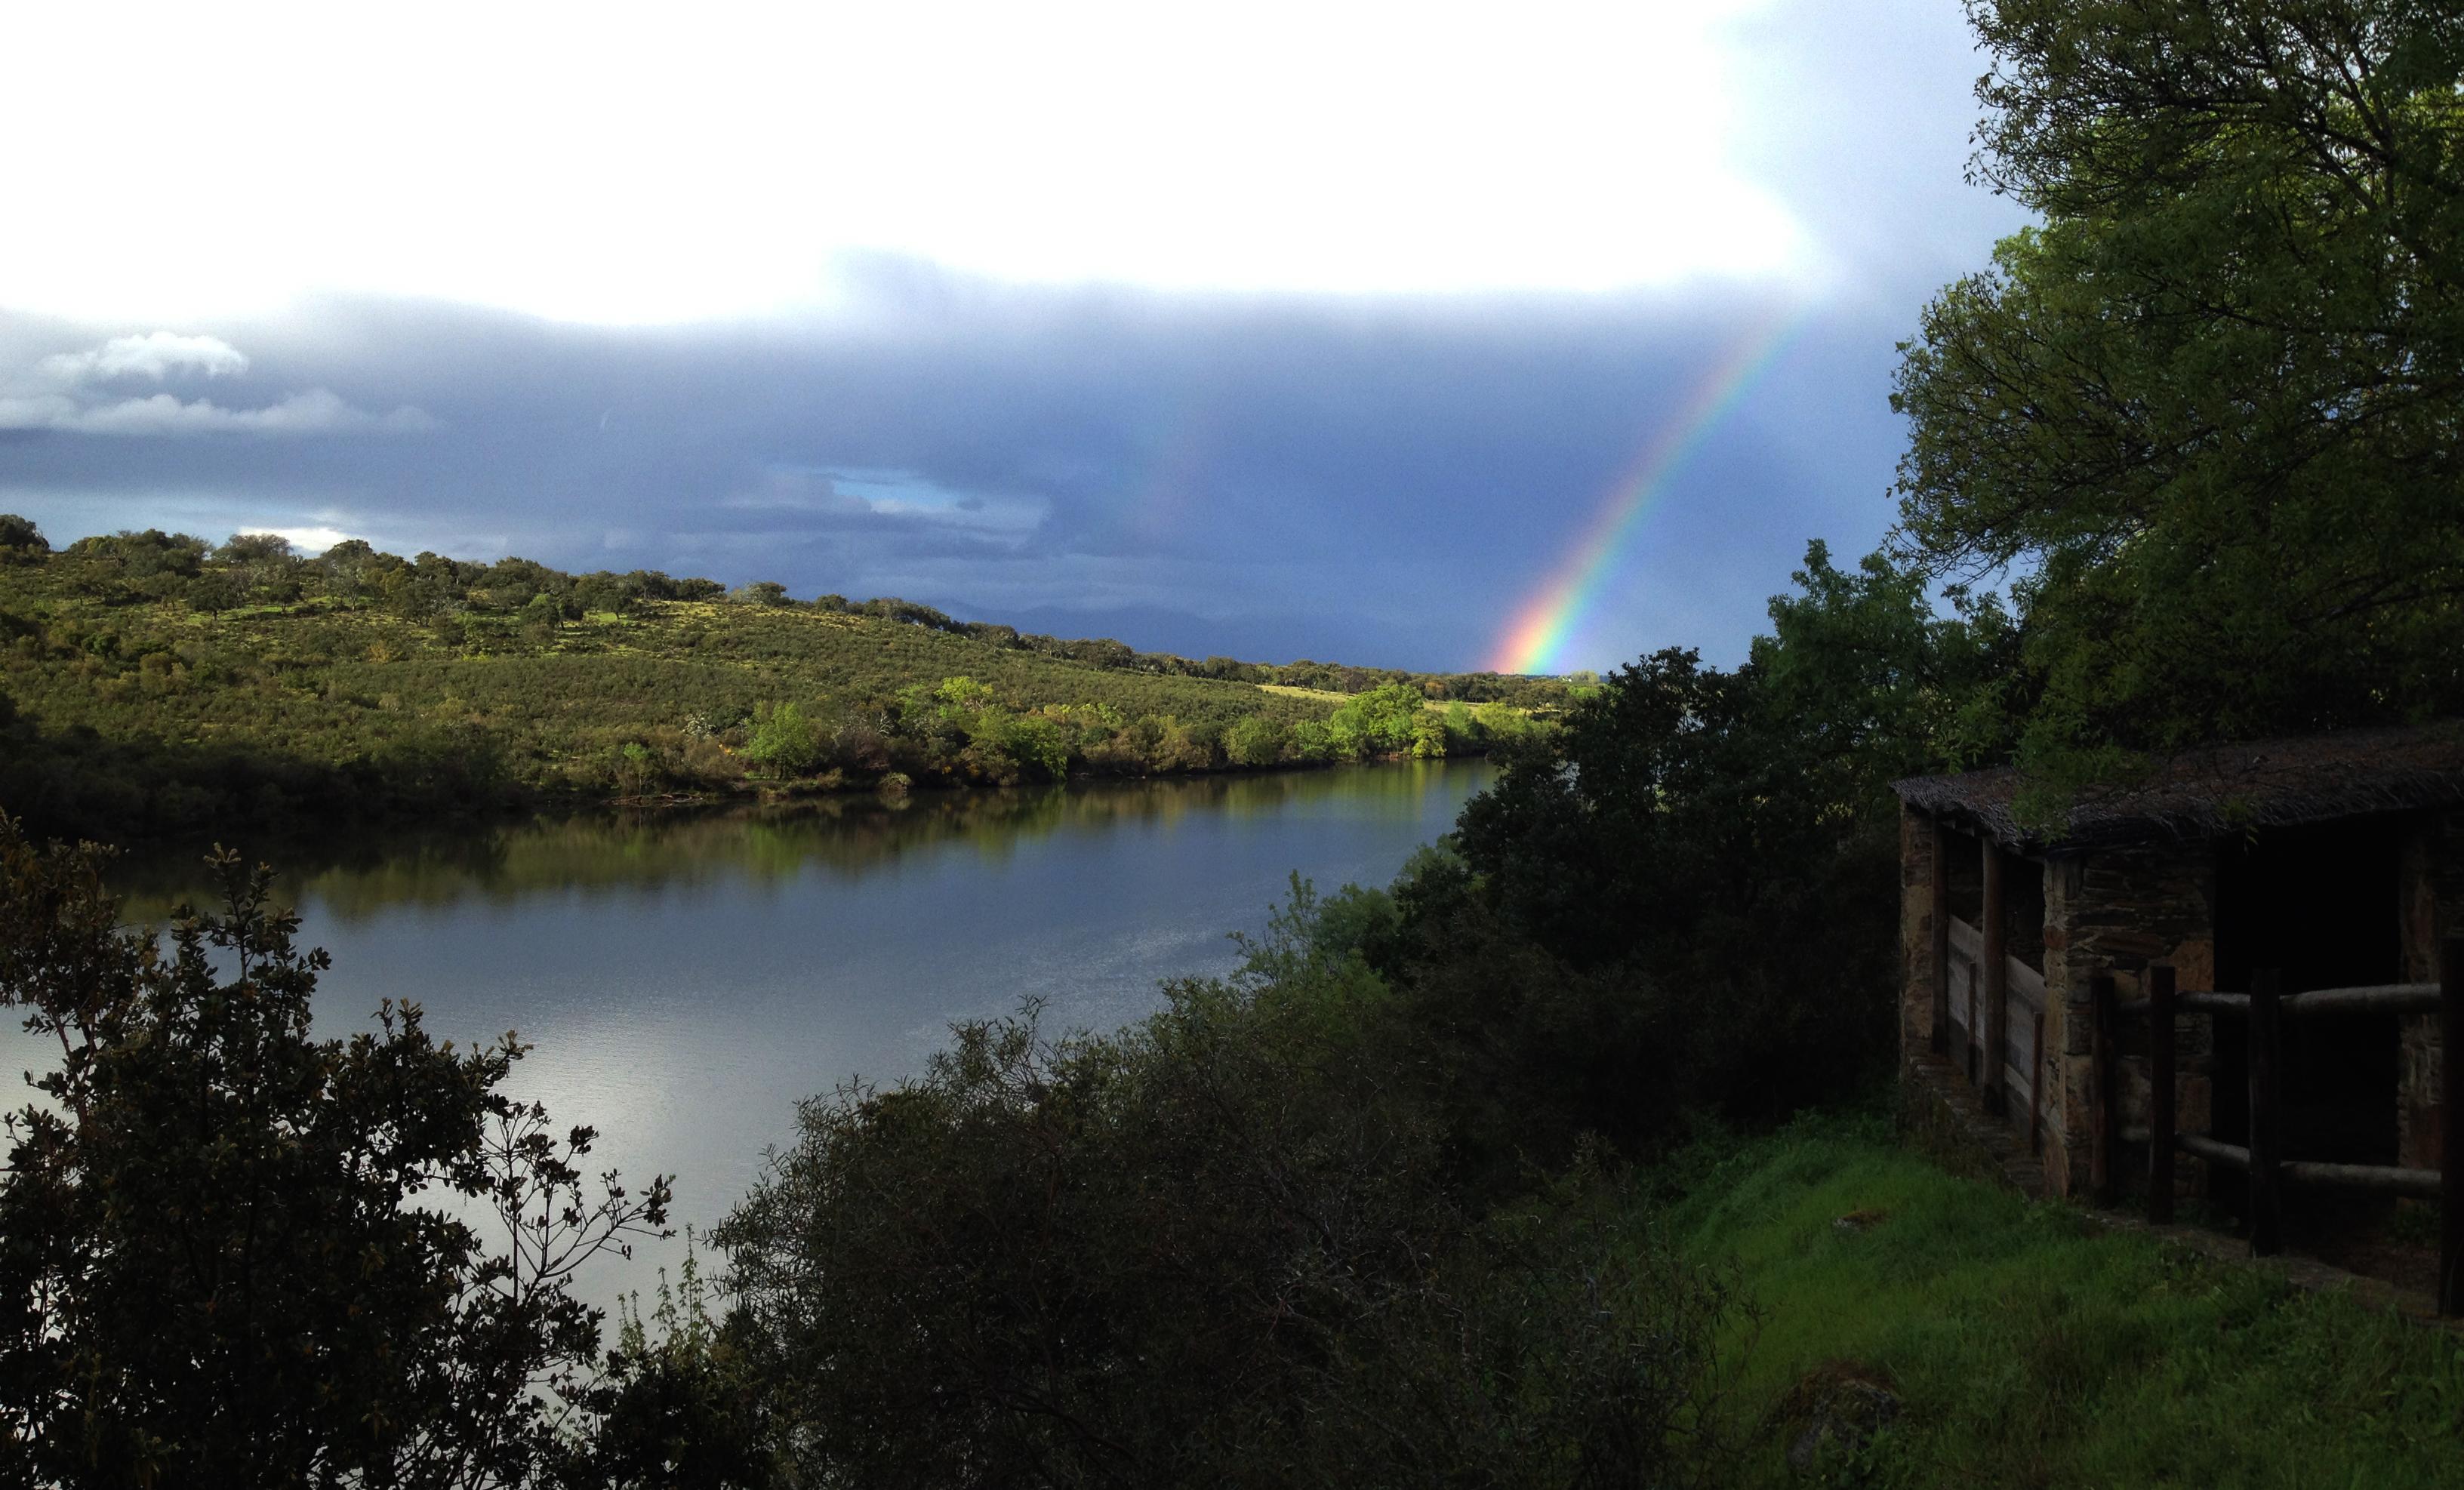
(684, 977)
(847, 836)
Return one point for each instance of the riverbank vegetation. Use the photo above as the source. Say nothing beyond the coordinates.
(1443, 1186)
(152, 684)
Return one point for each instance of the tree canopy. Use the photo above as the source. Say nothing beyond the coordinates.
(2206, 414)
(235, 1255)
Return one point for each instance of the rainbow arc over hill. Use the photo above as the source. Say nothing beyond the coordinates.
(1543, 624)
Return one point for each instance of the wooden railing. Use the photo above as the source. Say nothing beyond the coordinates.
(2262, 1159)
(1972, 1022)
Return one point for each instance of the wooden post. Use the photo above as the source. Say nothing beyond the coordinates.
(2450, 1127)
(2037, 1089)
(1940, 915)
(2266, 1200)
(1975, 1074)
(2104, 1110)
(2159, 1094)
(1997, 981)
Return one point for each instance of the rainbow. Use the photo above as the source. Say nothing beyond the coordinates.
(1544, 624)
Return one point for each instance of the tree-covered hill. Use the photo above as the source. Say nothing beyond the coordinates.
(150, 683)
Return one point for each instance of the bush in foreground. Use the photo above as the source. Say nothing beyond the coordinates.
(231, 1254)
(1219, 1249)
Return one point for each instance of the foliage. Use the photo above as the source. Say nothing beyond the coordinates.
(2033, 1348)
(235, 1255)
(1683, 898)
(1878, 684)
(782, 742)
(682, 1412)
(2207, 413)
(1671, 892)
(1214, 1249)
(163, 686)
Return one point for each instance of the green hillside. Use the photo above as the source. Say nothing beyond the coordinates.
(150, 683)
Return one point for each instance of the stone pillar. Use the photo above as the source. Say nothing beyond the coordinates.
(1919, 982)
(2116, 911)
(2429, 901)
(1993, 924)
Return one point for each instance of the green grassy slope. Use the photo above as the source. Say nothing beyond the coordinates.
(2033, 1348)
(332, 680)
(150, 686)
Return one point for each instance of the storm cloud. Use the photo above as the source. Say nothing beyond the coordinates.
(1378, 477)
(1203, 475)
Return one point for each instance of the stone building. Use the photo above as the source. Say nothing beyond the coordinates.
(2337, 860)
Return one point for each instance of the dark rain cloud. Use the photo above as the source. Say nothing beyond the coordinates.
(1287, 478)
(1383, 480)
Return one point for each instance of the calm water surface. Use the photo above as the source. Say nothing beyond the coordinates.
(683, 979)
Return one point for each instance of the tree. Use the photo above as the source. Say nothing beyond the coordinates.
(231, 1254)
(1383, 718)
(1671, 902)
(267, 549)
(2209, 412)
(21, 536)
(1881, 683)
(215, 591)
(1255, 740)
(783, 742)
(1213, 1249)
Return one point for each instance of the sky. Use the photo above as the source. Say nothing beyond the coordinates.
(1430, 336)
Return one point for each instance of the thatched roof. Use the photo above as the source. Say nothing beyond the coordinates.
(2223, 789)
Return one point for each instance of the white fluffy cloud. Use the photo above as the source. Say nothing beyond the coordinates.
(155, 354)
(60, 392)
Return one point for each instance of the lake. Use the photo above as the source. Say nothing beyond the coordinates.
(684, 977)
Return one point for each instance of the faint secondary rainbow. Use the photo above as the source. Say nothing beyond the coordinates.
(1543, 624)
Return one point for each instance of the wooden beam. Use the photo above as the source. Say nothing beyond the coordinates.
(2104, 1111)
(2450, 1127)
(1975, 1053)
(2266, 1199)
(2037, 1089)
(2375, 999)
(2199, 1145)
(1997, 979)
(2385, 1177)
(2381, 998)
(1938, 899)
(2159, 1094)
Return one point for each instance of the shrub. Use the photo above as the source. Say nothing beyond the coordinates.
(225, 1260)
(782, 742)
(1214, 1249)
(1256, 741)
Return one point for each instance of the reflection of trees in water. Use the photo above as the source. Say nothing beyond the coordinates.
(682, 847)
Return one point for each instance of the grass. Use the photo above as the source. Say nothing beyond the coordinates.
(2033, 1348)
(1321, 695)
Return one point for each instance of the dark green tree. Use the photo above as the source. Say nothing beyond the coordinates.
(2207, 413)
(232, 1254)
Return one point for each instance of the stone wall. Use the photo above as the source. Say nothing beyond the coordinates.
(1916, 934)
(2117, 912)
(2430, 897)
